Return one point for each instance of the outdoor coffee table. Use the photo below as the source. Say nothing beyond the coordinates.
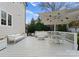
(41, 37)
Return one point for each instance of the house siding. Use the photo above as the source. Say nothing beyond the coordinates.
(17, 11)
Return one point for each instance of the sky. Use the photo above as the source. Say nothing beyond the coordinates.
(33, 10)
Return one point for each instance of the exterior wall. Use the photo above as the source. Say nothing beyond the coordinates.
(17, 10)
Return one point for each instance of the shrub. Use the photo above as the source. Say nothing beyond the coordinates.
(39, 27)
(78, 38)
(62, 28)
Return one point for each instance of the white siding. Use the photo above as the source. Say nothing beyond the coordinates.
(18, 18)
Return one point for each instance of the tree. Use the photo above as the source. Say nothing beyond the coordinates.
(46, 28)
(31, 28)
(39, 26)
(47, 6)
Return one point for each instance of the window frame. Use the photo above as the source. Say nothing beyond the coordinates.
(3, 17)
(9, 20)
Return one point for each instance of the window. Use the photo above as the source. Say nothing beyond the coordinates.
(3, 18)
(9, 20)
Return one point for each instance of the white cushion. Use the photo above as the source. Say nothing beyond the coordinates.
(15, 37)
(41, 33)
(3, 43)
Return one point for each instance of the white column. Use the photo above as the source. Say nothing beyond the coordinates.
(54, 27)
(67, 26)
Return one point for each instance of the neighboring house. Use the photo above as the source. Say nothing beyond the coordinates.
(55, 18)
(12, 18)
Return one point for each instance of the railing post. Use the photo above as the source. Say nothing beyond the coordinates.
(75, 41)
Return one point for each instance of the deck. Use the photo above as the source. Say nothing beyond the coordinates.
(32, 47)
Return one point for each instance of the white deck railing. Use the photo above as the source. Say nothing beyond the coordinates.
(68, 36)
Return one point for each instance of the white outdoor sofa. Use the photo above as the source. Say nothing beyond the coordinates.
(3, 42)
(15, 38)
(41, 35)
